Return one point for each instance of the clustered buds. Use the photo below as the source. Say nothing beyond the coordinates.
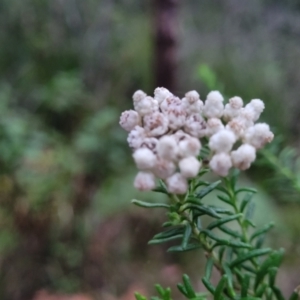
(165, 132)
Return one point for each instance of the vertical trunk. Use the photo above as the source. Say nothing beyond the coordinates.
(166, 36)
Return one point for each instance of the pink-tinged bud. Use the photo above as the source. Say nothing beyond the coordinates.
(213, 106)
(144, 181)
(177, 184)
(195, 125)
(156, 124)
(220, 164)
(144, 159)
(243, 157)
(258, 135)
(129, 119)
(167, 147)
(222, 141)
(136, 137)
(189, 167)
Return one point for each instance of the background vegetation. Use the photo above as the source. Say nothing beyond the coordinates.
(67, 70)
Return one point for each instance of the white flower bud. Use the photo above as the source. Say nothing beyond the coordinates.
(233, 108)
(151, 144)
(243, 157)
(138, 96)
(136, 137)
(236, 102)
(129, 119)
(237, 126)
(176, 115)
(192, 108)
(189, 167)
(258, 106)
(161, 93)
(144, 181)
(195, 125)
(180, 135)
(156, 124)
(222, 141)
(189, 146)
(192, 96)
(213, 106)
(213, 125)
(144, 159)
(220, 164)
(247, 116)
(146, 106)
(177, 184)
(169, 103)
(167, 147)
(258, 135)
(163, 168)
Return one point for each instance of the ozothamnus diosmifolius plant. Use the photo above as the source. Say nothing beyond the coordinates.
(175, 142)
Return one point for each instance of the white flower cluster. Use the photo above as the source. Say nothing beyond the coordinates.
(165, 132)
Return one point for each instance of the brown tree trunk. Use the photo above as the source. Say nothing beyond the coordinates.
(165, 43)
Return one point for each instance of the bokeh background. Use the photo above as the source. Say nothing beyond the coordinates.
(68, 68)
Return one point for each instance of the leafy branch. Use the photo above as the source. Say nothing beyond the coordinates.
(247, 270)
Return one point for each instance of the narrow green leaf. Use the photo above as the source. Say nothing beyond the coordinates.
(208, 189)
(139, 296)
(220, 222)
(208, 268)
(225, 199)
(272, 276)
(248, 268)
(160, 290)
(239, 276)
(186, 235)
(163, 240)
(223, 242)
(220, 287)
(234, 177)
(221, 210)
(277, 293)
(231, 232)
(274, 260)
(188, 286)
(167, 295)
(250, 211)
(169, 232)
(261, 290)
(229, 280)
(206, 210)
(223, 190)
(250, 190)
(251, 254)
(261, 231)
(188, 247)
(246, 200)
(159, 189)
(294, 296)
(260, 241)
(167, 224)
(201, 183)
(149, 205)
(269, 294)
(221, 253)
(208, 285)
(249, 222)
(245, 286)
(182, 289)
(250, 298)
(163, 186)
